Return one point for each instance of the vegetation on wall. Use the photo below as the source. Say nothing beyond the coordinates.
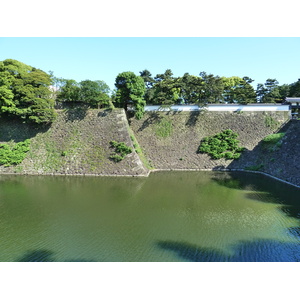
(13, 154)
(270, 122)
(121, 150)
(221, 145)
(273, 142)
(163, 128)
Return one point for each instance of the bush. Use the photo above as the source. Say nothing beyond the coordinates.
(13, 155)
(121, 151)
(221, 145)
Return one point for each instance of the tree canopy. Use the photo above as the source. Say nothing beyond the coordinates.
(130, 90)
(25, 93)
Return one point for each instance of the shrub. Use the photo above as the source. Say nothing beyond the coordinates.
(221, 145)
(13, 155)
(121, 151)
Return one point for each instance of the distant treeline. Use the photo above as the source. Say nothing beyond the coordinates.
(31, 94)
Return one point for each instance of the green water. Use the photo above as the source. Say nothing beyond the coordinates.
(170, 216)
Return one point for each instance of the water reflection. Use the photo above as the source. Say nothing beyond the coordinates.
(256, 251)
(46, 256)
(37, 256)
(219, 216)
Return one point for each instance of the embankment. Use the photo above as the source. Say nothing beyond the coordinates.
(170, 140)
(77, 143)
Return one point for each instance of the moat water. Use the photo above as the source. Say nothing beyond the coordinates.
(169, 216)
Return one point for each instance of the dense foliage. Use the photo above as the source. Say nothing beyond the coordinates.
(165, 89)
(121, 151)
(13, 155)
(30, 93)
(88, 92)
(222, 145)
(130, 91)
(25, 93)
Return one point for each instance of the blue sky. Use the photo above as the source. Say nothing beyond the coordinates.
(103, 58)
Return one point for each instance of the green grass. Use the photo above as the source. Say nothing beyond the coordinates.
(163, 128)
(270, 122)
(273, 138)
(273, 142)
(139, 151)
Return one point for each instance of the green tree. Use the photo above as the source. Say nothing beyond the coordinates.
(213, 88)
(166, 91)
(68, 91)
(149, 82)
(238, 90)
(260, 92)
(130, 90)
(25, 92)
(93, 93)
(191, 89)
(294, 90)
(269, 93)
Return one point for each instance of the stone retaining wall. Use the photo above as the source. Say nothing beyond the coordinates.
(77, 143)
(178, 150)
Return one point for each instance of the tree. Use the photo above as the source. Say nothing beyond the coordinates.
(167, 75)
(260, 92)
(147, 77)
(166, 91)
(284, 91)
(130, 90)
(213, 88)
(191, 89)
(149, 81)
(24, 92)
(294, 90)
(93, 93)
(69, 91)
(269, 93)
(238, 90)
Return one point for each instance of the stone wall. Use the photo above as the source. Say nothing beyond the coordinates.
(177, 149)
(77, 143)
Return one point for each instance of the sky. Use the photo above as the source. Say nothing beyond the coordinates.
(103, 58)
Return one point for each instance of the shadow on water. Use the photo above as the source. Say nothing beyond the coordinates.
(264, 189)
(37, 256)
(46, 256)
(192, 253)
(256, 251)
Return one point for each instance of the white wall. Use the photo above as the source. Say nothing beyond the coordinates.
(223, 107)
